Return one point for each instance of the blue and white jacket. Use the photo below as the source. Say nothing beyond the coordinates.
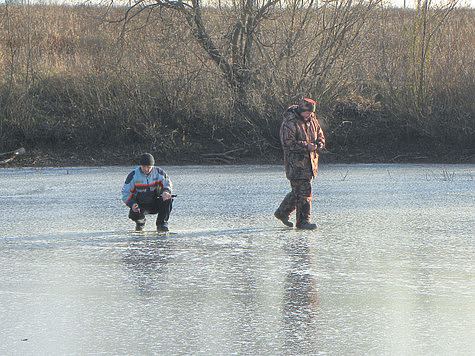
(143, 189)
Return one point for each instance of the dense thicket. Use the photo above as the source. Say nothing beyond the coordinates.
(391, 84)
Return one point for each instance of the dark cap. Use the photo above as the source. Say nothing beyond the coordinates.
(307, 105)
(146, 160)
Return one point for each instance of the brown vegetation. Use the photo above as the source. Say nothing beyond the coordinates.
(108, 83)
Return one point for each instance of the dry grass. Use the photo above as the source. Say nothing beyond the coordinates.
(69, 80)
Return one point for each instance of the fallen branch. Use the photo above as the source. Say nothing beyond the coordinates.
(225, 157)
(13, 154)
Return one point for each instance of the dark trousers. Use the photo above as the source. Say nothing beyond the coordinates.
(300, 199)
(158, 206)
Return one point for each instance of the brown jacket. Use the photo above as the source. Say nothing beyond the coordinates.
(295, 135)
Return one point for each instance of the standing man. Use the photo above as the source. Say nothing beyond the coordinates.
(301, 135)
(148, 190)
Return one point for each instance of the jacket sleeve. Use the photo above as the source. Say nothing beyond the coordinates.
(128, 194)
(320, 136)
(167, 183)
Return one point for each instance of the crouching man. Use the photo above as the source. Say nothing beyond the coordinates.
(148, 190)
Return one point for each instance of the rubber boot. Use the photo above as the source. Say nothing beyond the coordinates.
(162, 227)
(307, 226)
(304, 208)
(164, 209)
(286, 207)
(285, 219)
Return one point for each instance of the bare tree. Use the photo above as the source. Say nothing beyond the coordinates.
(12, 51)
(427, 22)
(268, 50)
(408, 64)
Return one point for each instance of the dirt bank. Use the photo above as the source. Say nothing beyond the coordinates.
(96, 158)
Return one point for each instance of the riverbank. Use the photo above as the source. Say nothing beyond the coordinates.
(81, 99)
(96, 158)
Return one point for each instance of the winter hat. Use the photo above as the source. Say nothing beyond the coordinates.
(307, 105)
(147, 160)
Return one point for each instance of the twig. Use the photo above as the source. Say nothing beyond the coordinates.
(15, 153)
(226, 157)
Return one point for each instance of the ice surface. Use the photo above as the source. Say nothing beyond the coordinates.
(389, 271)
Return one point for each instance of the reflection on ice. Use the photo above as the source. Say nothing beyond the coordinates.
(389, 271)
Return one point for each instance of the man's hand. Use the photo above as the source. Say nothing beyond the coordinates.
(311, 147)
(135, 208)
(166, 195)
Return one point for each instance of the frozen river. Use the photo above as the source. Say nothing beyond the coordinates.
(390, 270)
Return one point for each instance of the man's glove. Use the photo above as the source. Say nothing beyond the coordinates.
(166, 195)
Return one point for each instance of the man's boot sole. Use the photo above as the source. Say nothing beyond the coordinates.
(311, 227)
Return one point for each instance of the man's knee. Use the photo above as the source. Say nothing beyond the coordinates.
(135, 216)
(303, 200)
(302, 189)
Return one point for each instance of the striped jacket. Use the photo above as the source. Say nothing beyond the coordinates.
(143, 189)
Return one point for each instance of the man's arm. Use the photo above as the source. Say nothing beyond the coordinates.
(167, 184)
(128, 196)
(319, 141)
(288, 138)
(320, 137)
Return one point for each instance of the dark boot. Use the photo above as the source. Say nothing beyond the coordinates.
(284, 219)
(304, 209)
(286, 207)
(164, 209)
(163, 227)
(307, 226)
